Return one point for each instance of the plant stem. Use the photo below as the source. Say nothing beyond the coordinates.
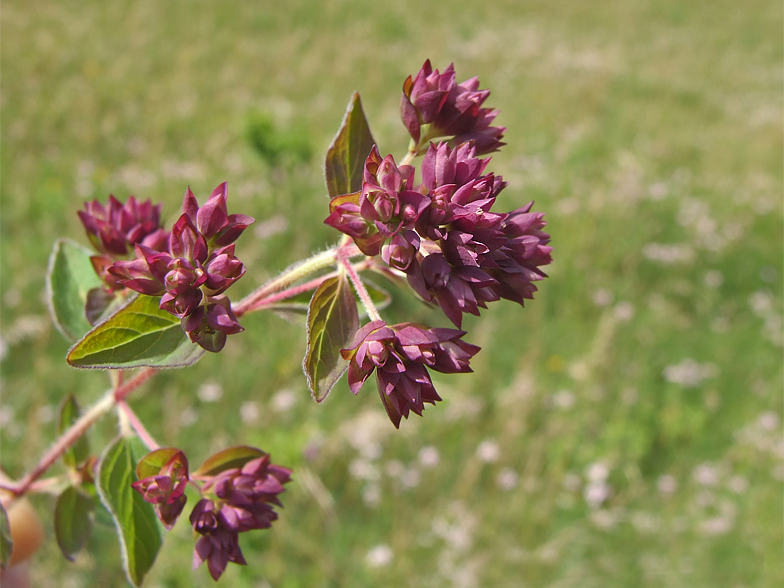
(293, 274)
(360, 288)
(288, 277)
(79, 428)
(296, 290)
(122, 391)
(137, 426)
(68, 438)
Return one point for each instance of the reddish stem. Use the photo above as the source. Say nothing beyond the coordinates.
(137, 425)
(78, 429)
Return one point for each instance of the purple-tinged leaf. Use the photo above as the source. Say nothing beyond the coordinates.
(73, 521)
(137, 525)
(346, 155)
(332, 321)
(67, 415)
(151, 464)
(233, 457)
(100, 305)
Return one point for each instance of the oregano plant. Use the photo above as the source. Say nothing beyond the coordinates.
(144, 297)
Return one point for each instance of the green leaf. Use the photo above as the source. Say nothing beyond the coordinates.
(137, 524)
(73, 521)
(333, 320)
(151, 464)
(346, 156)
(139, 334)
(67, 416)
(233, 457)
(6, 543)
(69, 278)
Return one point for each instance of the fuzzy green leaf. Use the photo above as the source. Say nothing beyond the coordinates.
(139, 334)
(67, 415)
(69, 278)
(333, 320)
(233, 457)
(73, 521)
(137, 524)
(346, 155)
(6, 543)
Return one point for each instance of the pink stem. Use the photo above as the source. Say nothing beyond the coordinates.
(296, 290)
(78, 429)
(360, 288)
(123, 390)
(137, 425)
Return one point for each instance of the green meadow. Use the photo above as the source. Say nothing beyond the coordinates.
(623, 429)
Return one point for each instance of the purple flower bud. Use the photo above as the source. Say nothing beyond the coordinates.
(400, 251)
(400, 355)
(457, 290)
(424, 96)
(347, 219)
(166, 490)
(218, 227)
(243, 501)
(446, 109)
(186, 241)
(113, 228)
(145, 274)
(217, 545)
(182, 305)
(208, 325)
(222, 269)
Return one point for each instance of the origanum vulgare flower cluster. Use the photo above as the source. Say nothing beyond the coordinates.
(239, 488)
(442, 234)
(190, 269)
(438, 228)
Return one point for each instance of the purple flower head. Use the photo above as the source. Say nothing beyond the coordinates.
(400, 356)
(433, 105)
(459, 195)
(199, 266)
(217, 544)
(521, 256)
(166, 490)
(456, 289)
(247, 493)
(241, 499)
(116, 226)
(424, 96)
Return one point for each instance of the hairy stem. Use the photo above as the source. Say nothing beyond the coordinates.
(136, 425)
(67, 439)
(362, 292)
(295, 273)
(79, 428)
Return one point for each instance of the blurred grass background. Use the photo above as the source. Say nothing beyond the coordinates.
(624, 429)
